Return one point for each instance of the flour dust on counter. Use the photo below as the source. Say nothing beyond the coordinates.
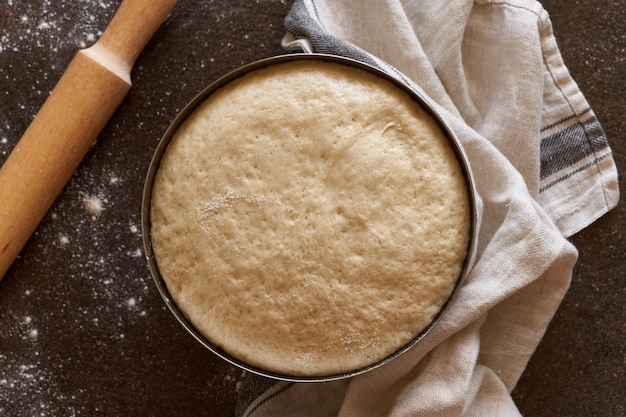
(98, 302)
(52, 25)
(109, 233)
(3, 146)
(27, 386)
(93, 204)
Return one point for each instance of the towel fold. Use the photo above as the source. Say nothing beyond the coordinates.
(543, 170)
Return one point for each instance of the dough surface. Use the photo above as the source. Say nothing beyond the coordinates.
(309, 218)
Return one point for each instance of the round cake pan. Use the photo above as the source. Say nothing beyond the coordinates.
(190, 107)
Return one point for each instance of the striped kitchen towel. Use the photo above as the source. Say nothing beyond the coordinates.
(543, 170)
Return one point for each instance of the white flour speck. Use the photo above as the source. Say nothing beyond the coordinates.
(131, 302)
(93, 204)
(64, 240)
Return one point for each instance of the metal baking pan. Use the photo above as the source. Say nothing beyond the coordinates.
(182, 116)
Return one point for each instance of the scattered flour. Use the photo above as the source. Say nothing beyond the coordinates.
(137, 253)
(76, 27)
(4, 150)
(29, 381)
(93, 204)
(131, 302)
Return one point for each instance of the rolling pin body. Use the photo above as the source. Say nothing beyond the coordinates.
(70, 120)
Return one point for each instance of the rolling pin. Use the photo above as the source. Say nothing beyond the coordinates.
(78, 108)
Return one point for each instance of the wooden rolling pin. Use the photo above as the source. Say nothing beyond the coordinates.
(90, 90)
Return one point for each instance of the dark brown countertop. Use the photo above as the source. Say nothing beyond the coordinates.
(83, 330)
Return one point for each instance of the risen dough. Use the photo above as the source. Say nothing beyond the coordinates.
(309, 218)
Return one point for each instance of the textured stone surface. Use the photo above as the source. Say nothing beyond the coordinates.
(83, 329)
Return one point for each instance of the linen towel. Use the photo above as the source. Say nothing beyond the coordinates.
(543, 170)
